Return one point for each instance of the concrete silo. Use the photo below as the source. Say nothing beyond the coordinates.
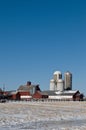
(68, 81)
(57, 75)
(58, 80)
(52, 85)
(60, 85)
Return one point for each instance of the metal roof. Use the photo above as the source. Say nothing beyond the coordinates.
(42, 93)
(27, 87)
(57, 93)
(12, 92)
(50, 92)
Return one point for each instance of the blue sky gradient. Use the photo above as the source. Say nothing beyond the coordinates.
(38, 37)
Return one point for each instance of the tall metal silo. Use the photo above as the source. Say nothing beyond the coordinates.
(68, 81)
(60, 85)
(52, 85)
(57, 75)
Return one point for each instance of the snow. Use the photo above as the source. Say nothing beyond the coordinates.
(59, 115)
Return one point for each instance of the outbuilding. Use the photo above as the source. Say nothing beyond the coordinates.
(68, 95)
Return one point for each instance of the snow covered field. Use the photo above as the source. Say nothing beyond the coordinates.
(61, 115)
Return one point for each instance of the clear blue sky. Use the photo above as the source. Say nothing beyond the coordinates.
(38, 37)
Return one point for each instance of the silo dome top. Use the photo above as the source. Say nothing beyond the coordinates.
(57, 72)
(68, 72)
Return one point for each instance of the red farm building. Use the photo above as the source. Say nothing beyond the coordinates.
(27, 92)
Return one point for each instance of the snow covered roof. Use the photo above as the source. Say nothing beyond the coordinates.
(70, 91)
(12, 92)
(54, 93)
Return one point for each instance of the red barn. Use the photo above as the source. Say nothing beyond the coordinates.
(40, 95)
(13, 95)
(29, 91)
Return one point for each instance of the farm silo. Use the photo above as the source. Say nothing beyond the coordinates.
(68, 81)
(60, 85)
(52, 84)
(57, 75)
